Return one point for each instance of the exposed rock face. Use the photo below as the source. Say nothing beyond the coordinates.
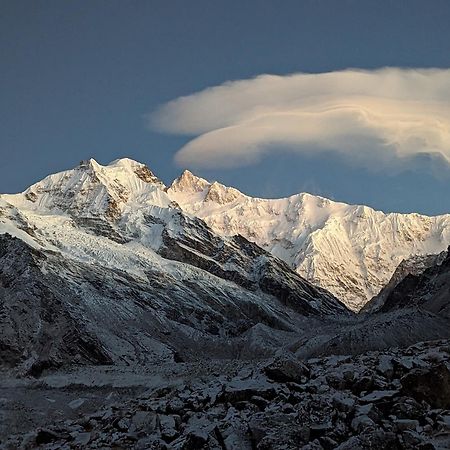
(415, 265)
(187, 181)
(245, 264)
(145, 174)
(220, 194)
(429, 291)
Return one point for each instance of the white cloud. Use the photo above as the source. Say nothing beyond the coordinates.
(370, 116)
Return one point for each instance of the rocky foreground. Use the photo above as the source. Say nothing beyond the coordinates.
(394, 399)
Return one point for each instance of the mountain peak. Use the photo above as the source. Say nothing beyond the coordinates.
(126, 166)
(125, 162)
(91, 189)
(88, 163)
(188, 182)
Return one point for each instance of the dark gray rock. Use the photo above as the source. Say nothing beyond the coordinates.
(243, 391)
(429, 384)
(379, 396)
(285, 369)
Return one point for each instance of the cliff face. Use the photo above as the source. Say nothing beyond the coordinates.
(429, 291)
(415, 265)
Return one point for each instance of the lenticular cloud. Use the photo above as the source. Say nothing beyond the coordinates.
(380, 115)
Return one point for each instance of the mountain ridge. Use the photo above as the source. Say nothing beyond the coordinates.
(350, 250)
(144, 284)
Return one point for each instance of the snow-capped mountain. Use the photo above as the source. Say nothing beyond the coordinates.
(99, 265)
(350, 250)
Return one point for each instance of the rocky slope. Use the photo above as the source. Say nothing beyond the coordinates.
(350, 250)
(395, 399)
(98, 265)
(429, 291)
(415, 265)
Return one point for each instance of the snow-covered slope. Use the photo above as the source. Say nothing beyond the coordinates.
(92, 189)
(350, 250)
(100, 264)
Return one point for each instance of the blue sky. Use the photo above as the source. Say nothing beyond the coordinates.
(78, 79)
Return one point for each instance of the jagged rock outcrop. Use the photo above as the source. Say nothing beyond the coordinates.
(415, 265)
(429, 291)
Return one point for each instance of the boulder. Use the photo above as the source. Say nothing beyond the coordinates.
(385, 366)
(405, 424)
(377, 396)
(360, 423)
(283, 369)
(431, 384)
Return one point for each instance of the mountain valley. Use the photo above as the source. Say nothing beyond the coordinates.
(153, 292)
